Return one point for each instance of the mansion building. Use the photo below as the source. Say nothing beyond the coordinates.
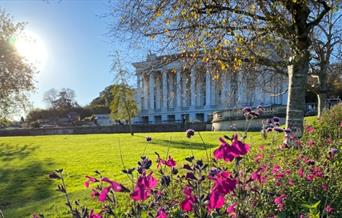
(172, 93)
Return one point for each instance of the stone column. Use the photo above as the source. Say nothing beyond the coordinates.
(207, 88)
(178, 90)
(193, 94)
(151, 109)
(138, 92)
(193, 87)
(165, 94)
(213, 92)
(224, 90)
(158, 88)
(145, 84)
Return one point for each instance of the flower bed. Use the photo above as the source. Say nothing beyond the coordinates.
(288, 178)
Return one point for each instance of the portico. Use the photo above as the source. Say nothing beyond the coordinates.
(171, 93)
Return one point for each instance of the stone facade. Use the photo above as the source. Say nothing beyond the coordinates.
(173, 93)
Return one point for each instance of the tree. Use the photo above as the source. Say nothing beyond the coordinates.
(326, 47)
(62, 100)
(123, 105)
(16, 75)
(50, 97)
(227, 33)
(105, 97)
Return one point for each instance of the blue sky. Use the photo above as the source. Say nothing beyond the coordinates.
(78, 46)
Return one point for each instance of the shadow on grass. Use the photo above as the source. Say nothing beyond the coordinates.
(11, 152)
(23, 180)
(181, 144)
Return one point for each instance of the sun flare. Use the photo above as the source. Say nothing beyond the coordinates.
(31, 48)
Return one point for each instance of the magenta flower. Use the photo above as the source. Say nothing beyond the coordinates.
(189, 200)
(329, 209)
(279, 201)
(229, 152)
(225, 152)
(231, 210)
(258, 157)
(325, 187)
(170, 162)
(258, 174)
(94, 215)
(275, 169)
(161, 213)
(242, 148)
(301, 172)
(89, 180)
(143, 187)
(116, 187)
(223, 184)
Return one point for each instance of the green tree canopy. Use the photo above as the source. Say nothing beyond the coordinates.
(16, 75)
(123, 105)
(227, 33)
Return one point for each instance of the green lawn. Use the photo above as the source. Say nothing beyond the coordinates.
(26, 161)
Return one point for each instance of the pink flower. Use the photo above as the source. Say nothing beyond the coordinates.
(94, 215)
(89, 180)
(161, 213)
(143, 187)
(229, 152)
(169, 162)
(310, 142)
(116, 187)
(231, 210)
(223, 184)
(328, 209)
(190, 199)
(279, 201)
(275, 169)
(242, 148)
(317, 172)
(325, 187)
(291, 182)
(258, 158)
(301, 172)
(309, 177)
(257, 175)
(310, 129)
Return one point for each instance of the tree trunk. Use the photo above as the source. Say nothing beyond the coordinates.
(130, 127)
(321, 102)
(322, 89)
(296, 106)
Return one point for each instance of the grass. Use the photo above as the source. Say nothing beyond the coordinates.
(26, 161)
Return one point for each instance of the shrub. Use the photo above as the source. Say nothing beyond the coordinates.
(283, 178)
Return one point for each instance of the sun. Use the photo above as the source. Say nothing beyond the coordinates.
(32, 48)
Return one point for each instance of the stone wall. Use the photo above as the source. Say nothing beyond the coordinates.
(177, 127)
